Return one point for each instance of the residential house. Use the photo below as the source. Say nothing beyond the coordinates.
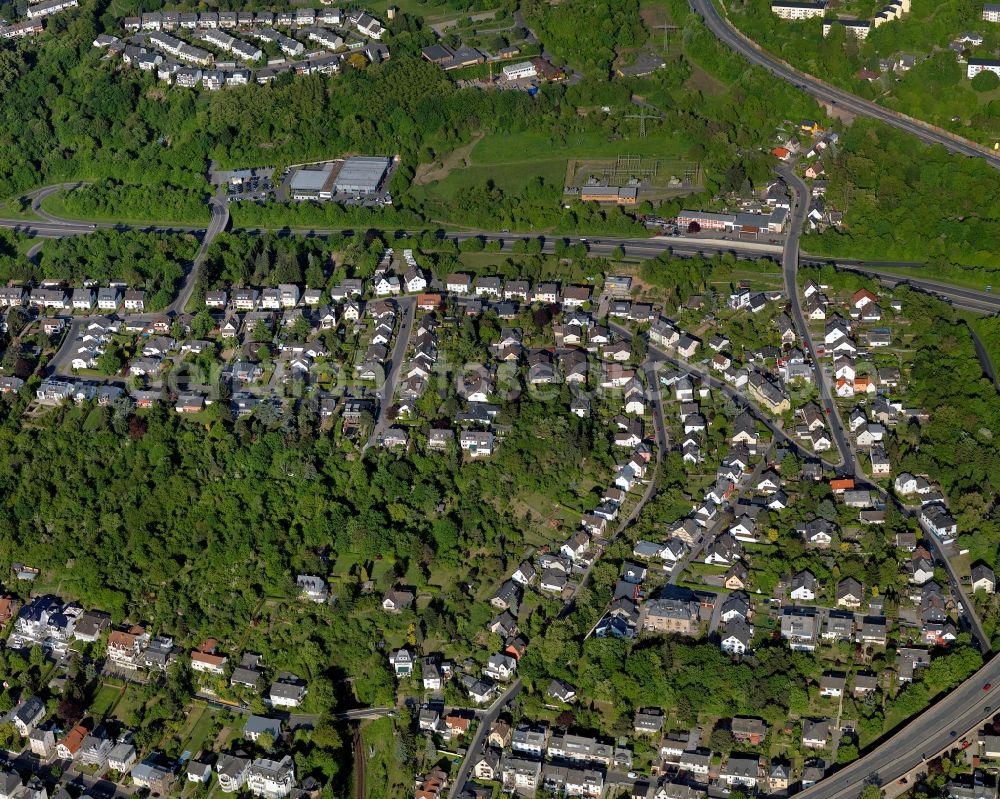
(397, 600)
(735, 637)
(815, 733)
(849, 593)
(255, 726)
(983, 579)
(832, 685)
(232, 772)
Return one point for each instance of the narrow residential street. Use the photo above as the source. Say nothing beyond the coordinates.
(790, 268)
(850, 462)
(408, 306)
(476, 744)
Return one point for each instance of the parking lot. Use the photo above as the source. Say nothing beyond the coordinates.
(246, 184)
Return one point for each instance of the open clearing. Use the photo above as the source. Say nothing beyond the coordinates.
(512, 161)
(439, 170)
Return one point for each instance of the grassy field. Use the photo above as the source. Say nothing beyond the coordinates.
(129, 702)
(196, 741)
(510, 177)
(384, 774)
(538, 146)
(511, 162)
(431, 12)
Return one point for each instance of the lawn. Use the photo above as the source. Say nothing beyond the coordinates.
(548, 517)
(196, 741)
(105, 699)
(512, 177)
(486, 262)
(129, 702)
(531, 146)
(431, 12)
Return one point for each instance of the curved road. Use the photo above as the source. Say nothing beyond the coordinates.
(726, 33)
(218, 222)
(851, 464)
(38, 196)
(790, 268)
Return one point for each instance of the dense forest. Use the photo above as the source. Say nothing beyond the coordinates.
(591, 48)
(189, 526)
(935, 89)
(909, 202)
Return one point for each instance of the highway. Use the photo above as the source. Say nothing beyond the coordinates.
(931, 732)
(726, 33)
(968, 299)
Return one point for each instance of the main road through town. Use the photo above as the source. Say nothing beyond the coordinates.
(726, 33)
(790, 268)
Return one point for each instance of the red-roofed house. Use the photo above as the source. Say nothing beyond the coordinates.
(862, 297)
(207, 662)
(864, 384)
(70, 745)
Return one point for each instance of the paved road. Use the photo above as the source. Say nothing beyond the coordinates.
(649, 368)
(643, 248)
(850, 459)
(790, 268)
(218, 222)
(981, 301)
(364, 713)
(989, 369)
(928, 734)
(824, 92)
(60, 362)
(740, 399)
(476, 745)
(408, 306)
(37, 197)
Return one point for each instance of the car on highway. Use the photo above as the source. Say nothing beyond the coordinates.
(988, 709)
(988, 686)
